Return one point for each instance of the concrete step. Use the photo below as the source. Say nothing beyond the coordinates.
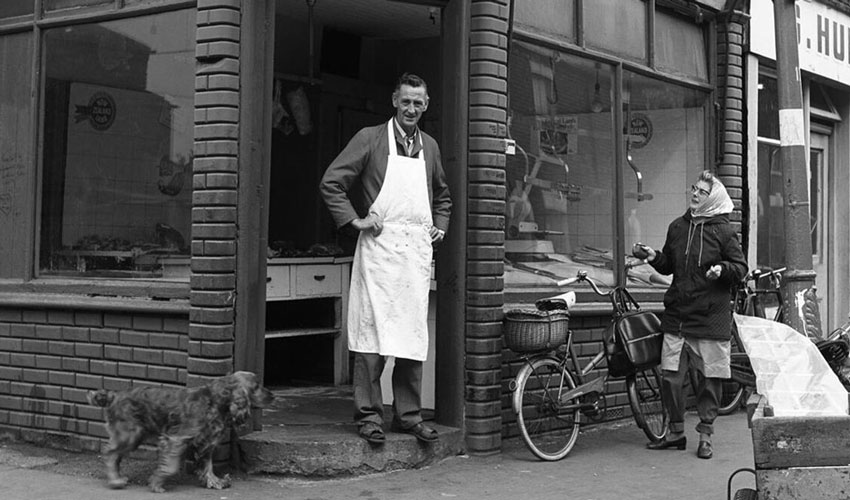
(308, 432)
(333, 450)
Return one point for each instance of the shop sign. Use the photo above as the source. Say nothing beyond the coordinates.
(100, 111)
(823, 37)
(640, 130)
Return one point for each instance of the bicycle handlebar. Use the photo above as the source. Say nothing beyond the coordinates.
(755, 275)
(582, 276)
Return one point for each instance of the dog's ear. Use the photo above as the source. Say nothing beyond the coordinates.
(240, 397)
(100, 397)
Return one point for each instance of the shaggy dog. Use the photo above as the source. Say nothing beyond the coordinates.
(182, 419)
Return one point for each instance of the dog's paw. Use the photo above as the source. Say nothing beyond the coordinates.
(157, 487)
(218, 483)
(117, 484)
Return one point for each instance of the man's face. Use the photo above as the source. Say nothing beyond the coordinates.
(410, 103)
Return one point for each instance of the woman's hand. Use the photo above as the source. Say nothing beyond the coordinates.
(643, 252)
(714, 272)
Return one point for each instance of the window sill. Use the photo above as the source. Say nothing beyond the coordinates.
(170, 297)
(587, 302)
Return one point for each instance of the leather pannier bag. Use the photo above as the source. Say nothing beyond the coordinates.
(633, 340)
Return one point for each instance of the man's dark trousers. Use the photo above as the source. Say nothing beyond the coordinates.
(407, 390)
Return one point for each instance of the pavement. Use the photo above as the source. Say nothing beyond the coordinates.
(608, 462)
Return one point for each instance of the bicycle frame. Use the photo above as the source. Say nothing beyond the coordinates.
(583, 388)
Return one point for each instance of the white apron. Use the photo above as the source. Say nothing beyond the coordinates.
(391, 273)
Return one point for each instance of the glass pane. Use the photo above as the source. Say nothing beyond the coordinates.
(50, 5)
(118, 137)
(16, 154)
(666, 151)
(771, 208)
(129, 3)
(13, 8)
(559, 215)
(617, 27)
(768, 125)
(555, 17)
(680, 47)
(815, 169)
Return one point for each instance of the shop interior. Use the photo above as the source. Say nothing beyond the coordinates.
(335, 65)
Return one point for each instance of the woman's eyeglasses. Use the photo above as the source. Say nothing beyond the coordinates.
(702, 192)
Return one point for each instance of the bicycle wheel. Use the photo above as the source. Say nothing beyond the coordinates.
(548, 429)
(732, 397)
(644, 390)
(746, 494)
(733, 392)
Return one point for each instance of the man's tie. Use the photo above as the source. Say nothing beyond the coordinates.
(408, 140)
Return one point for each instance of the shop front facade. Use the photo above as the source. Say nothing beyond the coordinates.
(160, 162)
(824, 79)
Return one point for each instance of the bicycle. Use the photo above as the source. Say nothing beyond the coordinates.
(550, 393)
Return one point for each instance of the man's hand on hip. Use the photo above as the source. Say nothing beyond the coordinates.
(372, 224)
(437, 235)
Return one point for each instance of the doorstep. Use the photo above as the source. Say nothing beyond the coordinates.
(309, 433)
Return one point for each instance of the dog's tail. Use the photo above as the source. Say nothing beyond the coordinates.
(100, 397)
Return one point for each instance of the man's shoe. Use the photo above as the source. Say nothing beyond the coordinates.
(664, 444)
(372, 432)
(704, 450)
(421, 431)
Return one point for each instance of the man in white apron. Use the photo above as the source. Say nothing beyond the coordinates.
(397, 172)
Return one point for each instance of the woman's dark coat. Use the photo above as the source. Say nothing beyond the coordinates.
(695, 306)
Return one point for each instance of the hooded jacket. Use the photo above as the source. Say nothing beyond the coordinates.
(694, 306)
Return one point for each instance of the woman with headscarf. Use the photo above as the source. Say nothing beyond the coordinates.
(704, 256)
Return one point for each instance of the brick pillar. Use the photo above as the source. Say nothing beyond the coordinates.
(488, 89)
(215, 177)
(730, 90)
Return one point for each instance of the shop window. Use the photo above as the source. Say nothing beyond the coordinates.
(16, 152)
(555, 17)
(561, 183)
(15, 8)
(117, 147)
(617, 27)
(768, 108)
(665, 152)
(51, 5)
(680, 46)
(770, 208)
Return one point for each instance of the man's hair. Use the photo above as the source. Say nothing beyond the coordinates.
(411, 80)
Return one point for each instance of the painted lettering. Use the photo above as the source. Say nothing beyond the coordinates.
(823, 35)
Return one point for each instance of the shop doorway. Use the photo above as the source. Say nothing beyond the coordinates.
(335, 65)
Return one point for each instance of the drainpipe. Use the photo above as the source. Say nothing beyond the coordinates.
(801, 311)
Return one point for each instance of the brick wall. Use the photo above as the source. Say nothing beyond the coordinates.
(215, 183)
(488, 87)
(730, 93)
(50, 359)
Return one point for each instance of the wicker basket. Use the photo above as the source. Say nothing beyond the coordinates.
(531, 330)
